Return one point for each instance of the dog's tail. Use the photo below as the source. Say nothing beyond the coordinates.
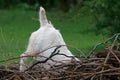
(42, 17)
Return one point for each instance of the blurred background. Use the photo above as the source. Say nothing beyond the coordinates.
(83, 23)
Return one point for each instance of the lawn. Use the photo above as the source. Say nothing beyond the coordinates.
(17, 25)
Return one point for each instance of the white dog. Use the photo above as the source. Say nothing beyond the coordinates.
(45, 37)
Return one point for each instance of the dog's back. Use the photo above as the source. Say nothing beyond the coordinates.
(42, 39)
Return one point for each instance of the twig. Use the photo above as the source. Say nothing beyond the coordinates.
(77, 49)
(90, 69)
(116, 37)
(30, 76)
(44, 61)
(114, 55)
(17, 57)
(106, 59)
(91, 52)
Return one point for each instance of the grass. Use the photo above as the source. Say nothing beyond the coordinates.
(16, 27)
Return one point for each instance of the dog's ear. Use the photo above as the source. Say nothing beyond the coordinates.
(42, 17)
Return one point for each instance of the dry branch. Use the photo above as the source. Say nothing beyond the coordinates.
(105, 65)
(44, 61)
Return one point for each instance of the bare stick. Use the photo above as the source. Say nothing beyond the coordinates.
(116, 37)
(114, 55)
(91, 52)
(17, 57)
(106, 59)
(44, 61)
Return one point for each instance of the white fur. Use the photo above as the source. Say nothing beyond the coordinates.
(46, 36)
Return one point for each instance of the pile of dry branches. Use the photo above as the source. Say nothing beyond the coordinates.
(98, 65)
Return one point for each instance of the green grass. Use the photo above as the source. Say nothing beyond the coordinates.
(16, 27)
